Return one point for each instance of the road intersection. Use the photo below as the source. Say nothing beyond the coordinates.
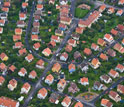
(68, 33)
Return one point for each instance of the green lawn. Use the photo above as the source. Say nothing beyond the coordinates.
(80, 13)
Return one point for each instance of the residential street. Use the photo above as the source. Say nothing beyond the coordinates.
(27, 34)
(68, 33)
(107, 90)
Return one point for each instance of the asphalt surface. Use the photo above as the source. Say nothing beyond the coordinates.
(104, 50)
(108, 89)
(68, 33)
(72, 9)
(27, 34)
(52, 60)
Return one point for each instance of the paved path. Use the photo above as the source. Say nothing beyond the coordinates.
(107, 90)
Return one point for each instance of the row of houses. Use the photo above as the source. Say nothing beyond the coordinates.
(65, 20)
(13, 84)
(113, 95)
(4, 15)
(54, 98)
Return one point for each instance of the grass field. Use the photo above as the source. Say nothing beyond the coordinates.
(80, 13)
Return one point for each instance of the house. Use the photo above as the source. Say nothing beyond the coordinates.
(64, 56)
(46, 52)
(102, 8)
(108, 38)
(24, 5)
(118, 47)
(114, 96)
(84, 81)
(59, 32)
(75, 36)
(61, 85)
(55, 38)
(72, 42)
(25, 88)
(65, 20)
(93, 17)
(32, 74)
(119, 12)
(62, 27)
(122, 42)
(12, 84)
(3, 67)
(40, 64)
(56, 67)
(101, 42)
(51, 44)
(54, 98)
(103, 56)
(120, 27)
(7, 102)
(37, 18)
(29, 58)
(22, 16)
(22, 51)
(114, 32)
(36, 24)
(113, 73)
(6, 4)
(95, 63)
(38, 13)
(79, 30)
(2, 22)
(119, 68)
(68, 48)
(98, 86)
(120, 89)
(73, 88)
(22, 72)
(77, 55)
(66, 102)
(4, 16)
(12, 68)
(35, 31)
(2, 80)
(1, 30)
(106, 103)
(106, 79)
(3, 57)
(84, 67)
(39, 6)
(35, 38)
(84, 6)
(111, 52)
(121, 2)
(21, 24)
(51, 2)
(18, 45)
(111, 10)
(16, 38)
(94, 46)
(63, 2)
(36, 46)
(71, 68)
(5, 9)
(18, 31)
(42, 93)
(87, 51)
(78, 104)
(49, 79)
